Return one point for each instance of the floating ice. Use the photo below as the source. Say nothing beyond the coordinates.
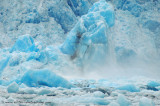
(28, 91)
(146, 102)
(99, 94)
(86, 100)
(13, 88)
(38, 78)
(129, 87)
(113, 104)
(44, 91)
(153, 84)
(123, 101)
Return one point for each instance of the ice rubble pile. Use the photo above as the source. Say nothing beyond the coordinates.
(99, 95)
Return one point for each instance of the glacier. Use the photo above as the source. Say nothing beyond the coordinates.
(80, 52)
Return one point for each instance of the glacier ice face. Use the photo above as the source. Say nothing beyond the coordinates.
(96, 35)
(114, 39)
(80, 7)
(128, 5)
(133, 32)
(24, 43)
(45, 19)
(65, 18)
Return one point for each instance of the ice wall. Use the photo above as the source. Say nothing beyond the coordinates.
(124, 36)
(46, 21)
(64, 36)
(88, 41)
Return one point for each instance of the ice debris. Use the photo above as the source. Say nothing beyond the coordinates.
(113, 104)
(153, 84)
(13, 88)
(99, 94)
(44, 91)
(129, 87)
(123, 101)
(146, 102)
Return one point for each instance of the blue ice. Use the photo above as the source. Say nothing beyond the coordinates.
(38, 78)
(146, 102)
(123, 101)
(24, 43)
(89, 35)
(129, 87)
(13, 88)
(153, 84)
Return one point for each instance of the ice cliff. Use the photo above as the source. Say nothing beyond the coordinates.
(68, 35)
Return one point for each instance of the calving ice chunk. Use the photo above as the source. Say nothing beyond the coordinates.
(38, 78)
(88, 40)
